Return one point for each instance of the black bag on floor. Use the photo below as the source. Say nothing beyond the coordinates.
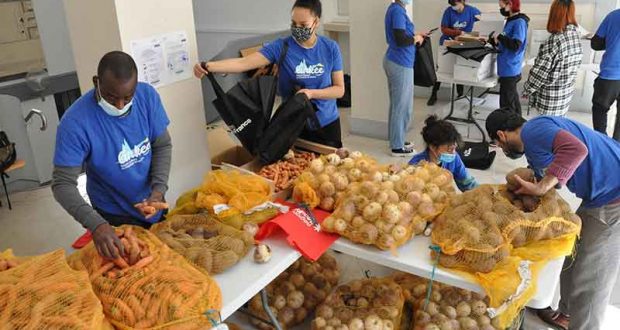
(476, 155)
(285, 127)
(8, 153)
(424, 68)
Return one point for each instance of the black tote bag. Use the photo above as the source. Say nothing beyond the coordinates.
(424, 67)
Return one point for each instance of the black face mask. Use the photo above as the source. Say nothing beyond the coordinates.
(504, 12)
(512, 152)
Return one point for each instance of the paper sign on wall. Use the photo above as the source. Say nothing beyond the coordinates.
(162, 59)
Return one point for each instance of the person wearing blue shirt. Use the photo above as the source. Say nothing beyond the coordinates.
(312, 66)
(118, 133)
(563, 152)
(457, 19)
(511, 45)
(607, 85)
(442, 138)
(398, 65)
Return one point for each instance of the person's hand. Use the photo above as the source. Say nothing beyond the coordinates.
(418, 39)
(528, 188)
(308, 93)
(107, 243)
(199, 71)
(150, 206)
(496, 39)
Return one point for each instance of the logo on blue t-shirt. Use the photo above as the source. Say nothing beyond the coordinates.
(459, 24)
(305, 71)
(129, 157)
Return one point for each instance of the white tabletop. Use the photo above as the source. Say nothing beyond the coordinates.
(449, 79)
(244, 280)
(414, 258)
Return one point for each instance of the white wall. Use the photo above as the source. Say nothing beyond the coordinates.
(52, 23)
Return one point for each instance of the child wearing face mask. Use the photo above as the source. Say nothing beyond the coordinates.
(441, 139)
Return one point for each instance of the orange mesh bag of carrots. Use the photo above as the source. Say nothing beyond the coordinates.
(386, 210)
(204, 241)
(8, 260)
(375, 303)
(43, 292)
(161, 290)
(295, 294)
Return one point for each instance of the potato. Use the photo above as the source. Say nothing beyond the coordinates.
(286, 315)
(344, 314)
(373, 322)
(524, 173)
(432, 308)
(279, 302)
(297, 279)
(478, 308)
(446, 325)
(484, 320)
(422, 317)
(449, 311)
(463, 309)
(356, 324)
(439, 318)
(295, 299)
(362, 302)
(431, 326)
(334, 322)
(318, 323)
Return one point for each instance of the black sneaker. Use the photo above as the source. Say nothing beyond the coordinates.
(432, 100)
(404, 152)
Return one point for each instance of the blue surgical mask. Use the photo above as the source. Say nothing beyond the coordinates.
(447, 158)
(110, 109)
(456, 8)
(406, 2)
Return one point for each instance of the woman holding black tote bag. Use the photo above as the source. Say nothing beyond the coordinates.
(312, 65)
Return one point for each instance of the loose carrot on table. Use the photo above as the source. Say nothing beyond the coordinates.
(101, 271)
(143, 262)
(120, 262)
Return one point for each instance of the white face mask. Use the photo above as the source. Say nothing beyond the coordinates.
(110, 109)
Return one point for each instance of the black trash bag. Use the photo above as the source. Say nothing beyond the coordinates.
(424, 68)
(476, 155)
(285, 127)
(345, 100)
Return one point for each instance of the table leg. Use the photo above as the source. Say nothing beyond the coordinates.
(6, 191)
(451, 102)
(272, 318)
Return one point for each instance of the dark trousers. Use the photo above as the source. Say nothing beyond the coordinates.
(329, 135)
(459, 89)
(606, 92)
(119, 220)
(508, 94)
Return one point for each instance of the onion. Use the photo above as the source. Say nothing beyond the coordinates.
(357, 221)
(355, 154)
(340, 226)
(348, 163)
(391, 213)
(414, 198)
(316, 166)
(399, 233)
(333, 159)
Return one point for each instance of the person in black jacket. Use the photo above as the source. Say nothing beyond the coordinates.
(398, 65)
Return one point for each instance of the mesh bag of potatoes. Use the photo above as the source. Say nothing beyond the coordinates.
(43, 292)
(481, 226)
(449, 308)
(204, 241)
(167, 293)
(328, 177)
(295, 294)
(369, 304)
(239, 191)
(387, 210)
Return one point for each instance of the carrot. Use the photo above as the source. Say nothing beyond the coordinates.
(3, 265)
(104, 269)
(62, 322)
(144, 262)
(145, 324)
(134, 304)
(144, 253)
(126, 245)
(11, 264)
(120, 262)
(11, 298)
(128, 316)
(128, 232)
(58, 287)
(159, 205)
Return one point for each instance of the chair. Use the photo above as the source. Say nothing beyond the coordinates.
(20, 163)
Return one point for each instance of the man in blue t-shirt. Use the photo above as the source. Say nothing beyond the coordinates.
(457, 19)
(607, 85)
(564, 152)
(511, 45)
(118, 133)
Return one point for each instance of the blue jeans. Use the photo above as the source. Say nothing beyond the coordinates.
(400, 85)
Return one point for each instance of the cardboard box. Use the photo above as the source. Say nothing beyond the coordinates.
(445, 63)
(487, 62)
(467, 73)
(224, 148)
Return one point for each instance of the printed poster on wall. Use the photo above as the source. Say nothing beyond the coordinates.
(162, 59)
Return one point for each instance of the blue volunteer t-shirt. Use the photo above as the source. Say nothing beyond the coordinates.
(461, 21)
(509, 62)
(396, 18)
(596, 180)
(463, 180)
(610, 31)
(115, 151)
(307, 68)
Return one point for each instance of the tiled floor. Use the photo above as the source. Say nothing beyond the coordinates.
(37, 224)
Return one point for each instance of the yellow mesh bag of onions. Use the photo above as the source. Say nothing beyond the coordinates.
(481, 226)
(204, 241)
(386, 210)
(370, 304)
(330, 176)
(295, 294)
